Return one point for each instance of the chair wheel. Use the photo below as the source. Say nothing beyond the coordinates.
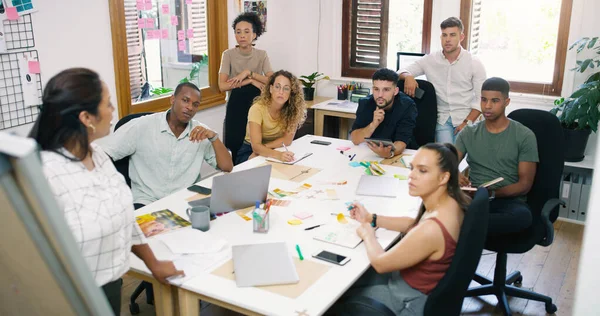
(551, 308)
(134, 309)
(519, 281)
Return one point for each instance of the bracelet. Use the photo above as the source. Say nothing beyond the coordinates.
(374, 221)
(214, 138)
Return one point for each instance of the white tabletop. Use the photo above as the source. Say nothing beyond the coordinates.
(344, 106)
(231, 227)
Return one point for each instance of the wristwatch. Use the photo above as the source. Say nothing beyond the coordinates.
(493, 195)
(392, 153)
(468, 122)
(214, 138)
(374, 220)
(250, 76)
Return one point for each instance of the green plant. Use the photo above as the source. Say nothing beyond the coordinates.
(310, 80)
(195, 70)
(581, 110)
(161, 90)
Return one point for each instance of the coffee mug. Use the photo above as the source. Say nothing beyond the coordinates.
(199, 216)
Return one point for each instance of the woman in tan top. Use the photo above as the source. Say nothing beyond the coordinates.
(244, 72)
(274, 119)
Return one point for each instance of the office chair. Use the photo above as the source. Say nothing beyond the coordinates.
(424, 131)
(448, 295)
(543, 202)
(122, 166)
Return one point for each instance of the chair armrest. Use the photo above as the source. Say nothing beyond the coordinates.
(545, 217)
(377, 306)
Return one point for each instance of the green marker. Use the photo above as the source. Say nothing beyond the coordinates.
(299, 253)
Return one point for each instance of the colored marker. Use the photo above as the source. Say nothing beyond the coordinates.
(299, 253)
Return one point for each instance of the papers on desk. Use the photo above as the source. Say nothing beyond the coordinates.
(297, 156)
(339, 234)
(192, 241)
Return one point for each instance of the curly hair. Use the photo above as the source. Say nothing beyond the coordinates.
(252, 18)
(293, 112)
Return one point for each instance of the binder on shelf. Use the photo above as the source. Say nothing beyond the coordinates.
(584, 199)
(565, 191)
(576, 180)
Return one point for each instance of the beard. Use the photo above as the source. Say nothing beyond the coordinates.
(384, 105)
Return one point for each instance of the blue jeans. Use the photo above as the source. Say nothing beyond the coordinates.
(445, 133)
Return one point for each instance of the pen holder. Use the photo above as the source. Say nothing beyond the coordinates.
(349, 95)
(260, 222)
(342, 94)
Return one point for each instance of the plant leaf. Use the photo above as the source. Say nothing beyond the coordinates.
(578, 41)
(592, 42)
(594, 77)
(585, 64)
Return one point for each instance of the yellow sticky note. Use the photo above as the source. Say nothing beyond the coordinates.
(342, 219)
(294, 222)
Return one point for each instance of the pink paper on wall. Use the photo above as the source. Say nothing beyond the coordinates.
(180, 35)
(148, 6)
(164, 34)
(149, 34)
(34, 67)
(188, 1)
(190, 33)
(174, 20)
(12, 14)
(150, 23)
(140, 6)
(157, 34)
(181, 46)
(142, 23)
(165, 9)
(148, 1)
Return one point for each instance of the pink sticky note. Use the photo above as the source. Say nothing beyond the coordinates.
(188, 1)
(190, 33)
(181, 46)
(142, 23)
(174, 20)
(140, 6)
(157, 34)
(150, 23)
(148, 6)
(11, 13)
(343, 148)
(34, 67)
(164, 34)
(139, 1)
(165, 9)
(180, 35)
(148, 1)
(150, 35)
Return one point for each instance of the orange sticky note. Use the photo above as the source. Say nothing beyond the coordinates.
(34, 67)
(12, 14)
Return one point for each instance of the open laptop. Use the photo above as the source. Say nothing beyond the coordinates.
(237, 190)
(263, 264)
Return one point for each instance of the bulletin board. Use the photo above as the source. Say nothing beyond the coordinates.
(20, 78)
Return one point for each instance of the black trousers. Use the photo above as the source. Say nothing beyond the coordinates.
(112, 291)
(236, 117)
(508, 215)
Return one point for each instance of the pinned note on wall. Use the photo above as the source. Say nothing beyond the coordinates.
(180, 35)
(188, 1)
(190, 33)
(174, 20)
(164, 34)
(140, 6)
(142, 23)
(150, 23)
(150, 35)
(148, 6)
(165, 9)
(34, 66)
(181, 46)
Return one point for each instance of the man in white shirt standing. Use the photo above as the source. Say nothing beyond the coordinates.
(457, 77)
(167, 148)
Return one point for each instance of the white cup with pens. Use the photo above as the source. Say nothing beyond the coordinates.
(260, 218)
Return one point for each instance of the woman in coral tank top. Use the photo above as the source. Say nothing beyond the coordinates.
(402, 277)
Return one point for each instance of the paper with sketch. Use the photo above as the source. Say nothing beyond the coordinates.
(193, 265)
(339, 234)
(297, 157)
(189, 240)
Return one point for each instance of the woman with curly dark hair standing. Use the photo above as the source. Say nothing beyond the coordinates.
(244, 72)
(274, 119)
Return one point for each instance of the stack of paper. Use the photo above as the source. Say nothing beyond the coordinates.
(192, 241)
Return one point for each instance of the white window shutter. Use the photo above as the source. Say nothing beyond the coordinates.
(134, 49)
(369, 38)
(197, 12)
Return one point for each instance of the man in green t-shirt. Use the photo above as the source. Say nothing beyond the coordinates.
(500, 147)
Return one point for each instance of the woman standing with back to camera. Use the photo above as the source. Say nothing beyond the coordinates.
(244, 72)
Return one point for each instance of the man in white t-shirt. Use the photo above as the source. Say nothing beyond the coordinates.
(457, 77)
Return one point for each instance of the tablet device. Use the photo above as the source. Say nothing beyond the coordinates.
(385, 142)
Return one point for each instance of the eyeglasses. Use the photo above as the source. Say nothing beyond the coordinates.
(279, 87)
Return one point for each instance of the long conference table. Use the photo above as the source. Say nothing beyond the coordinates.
(325, 181)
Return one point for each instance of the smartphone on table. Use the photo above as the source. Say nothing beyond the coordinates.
(331, 257)
(321, 142)
(200, 189)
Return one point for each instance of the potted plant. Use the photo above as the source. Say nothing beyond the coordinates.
(579, 113)
(309, 81)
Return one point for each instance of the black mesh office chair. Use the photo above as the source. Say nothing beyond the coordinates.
(448, 295)
(424, 131)
(543, 202)
(122, 166)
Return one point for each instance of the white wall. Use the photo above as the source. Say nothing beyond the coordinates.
(73, 34)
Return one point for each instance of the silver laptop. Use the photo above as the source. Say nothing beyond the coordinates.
(378, 186)
(237, 190)
(263, 264)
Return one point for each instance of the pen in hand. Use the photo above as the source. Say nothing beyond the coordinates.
(284, 147)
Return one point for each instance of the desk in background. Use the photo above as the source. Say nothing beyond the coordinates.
(321, 294)
(338, 108)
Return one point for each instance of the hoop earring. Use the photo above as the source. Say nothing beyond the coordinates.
(93, 129)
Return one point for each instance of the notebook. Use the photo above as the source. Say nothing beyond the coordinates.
(263, 264)
(344, 236)
(298, 156)
(485, 185)
(378, 186)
